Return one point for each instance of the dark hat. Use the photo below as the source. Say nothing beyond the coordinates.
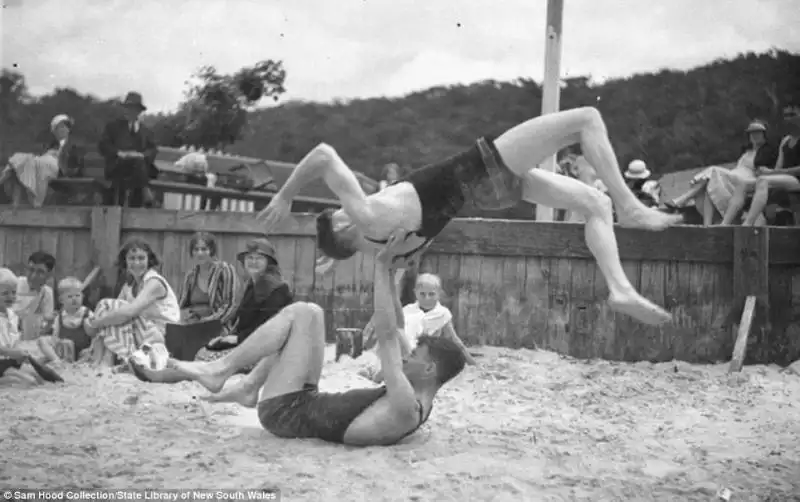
(261, 246)
(134, 100)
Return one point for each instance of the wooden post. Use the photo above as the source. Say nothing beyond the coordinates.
(750, 284)
(551, 88)
(106, 234)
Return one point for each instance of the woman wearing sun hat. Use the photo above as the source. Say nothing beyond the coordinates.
(714, 186)
(266, 293)
(27, 176)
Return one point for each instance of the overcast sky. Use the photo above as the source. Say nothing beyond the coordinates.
(365, 48)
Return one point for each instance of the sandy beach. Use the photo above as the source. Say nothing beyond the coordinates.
(522, 426)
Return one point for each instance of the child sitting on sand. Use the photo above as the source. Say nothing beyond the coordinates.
(13, 359)
(34, 305)
(427, 316)
(70, 334)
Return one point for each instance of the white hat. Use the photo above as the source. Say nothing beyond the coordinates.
(58, 119)
(637, 170)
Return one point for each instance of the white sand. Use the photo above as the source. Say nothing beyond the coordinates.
(524, 426)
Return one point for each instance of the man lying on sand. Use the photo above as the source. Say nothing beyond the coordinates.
(493, 174)
(289, 352)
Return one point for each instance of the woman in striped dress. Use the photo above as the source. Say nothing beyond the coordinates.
(145, 305)
(209, 288)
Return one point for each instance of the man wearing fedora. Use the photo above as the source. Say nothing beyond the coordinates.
(130, 151)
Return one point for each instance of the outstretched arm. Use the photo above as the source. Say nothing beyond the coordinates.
(399, 389)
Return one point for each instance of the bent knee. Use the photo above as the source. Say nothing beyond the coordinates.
(306, 310)
(324, 152)
(762, 183)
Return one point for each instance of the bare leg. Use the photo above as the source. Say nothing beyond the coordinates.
(706, 207)
(763, 185)
(696, 189)
(245, 391)
(45, 344)
(303, 321)
(528, 144)
(737, 201)
(554, 190)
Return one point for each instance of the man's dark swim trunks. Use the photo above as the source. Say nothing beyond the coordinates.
(309, 413)
(476, 176)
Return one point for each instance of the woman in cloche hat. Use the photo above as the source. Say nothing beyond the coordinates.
(714, 186)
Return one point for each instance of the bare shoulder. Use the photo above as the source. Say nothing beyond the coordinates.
(381, 424)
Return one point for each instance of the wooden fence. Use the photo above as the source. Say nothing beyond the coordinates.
(509, 283)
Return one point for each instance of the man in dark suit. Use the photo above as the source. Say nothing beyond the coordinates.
(130, 152)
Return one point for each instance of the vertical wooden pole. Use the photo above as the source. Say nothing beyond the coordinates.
(551, 89)
(750, 286)
(106, 235)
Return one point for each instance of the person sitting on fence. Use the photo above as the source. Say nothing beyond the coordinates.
(70, 340)
(492, 175)
(714, 188)
(209, 288)
(17, 368)
(425, 317)
(35, 305)
(27, 177)
(140, 313)
(266, 293)
(289, 352)
(785, 177)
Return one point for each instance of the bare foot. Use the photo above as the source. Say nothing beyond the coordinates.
(200, 372)
(648, 218)
(640, 308)
(167, 375)
(245, 395)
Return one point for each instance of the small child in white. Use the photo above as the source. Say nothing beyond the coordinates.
(70, 334)
(425, 317)
(15, 369)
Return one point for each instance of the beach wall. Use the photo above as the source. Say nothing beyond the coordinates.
(509, 283)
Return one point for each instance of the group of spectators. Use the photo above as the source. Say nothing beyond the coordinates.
(41, 328)
(127, 146)
(755, 191)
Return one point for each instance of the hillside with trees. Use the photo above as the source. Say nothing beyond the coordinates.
(671, 119)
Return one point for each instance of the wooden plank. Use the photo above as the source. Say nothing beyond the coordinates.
(469, 300)
(494, 299)
(582, 311)
(537, 302)
(304, 260)
(60, 217)
(751, 263)
(256, 196)
(784, 245)
(105, 237)
(557, 338)
(741, 338)
(161, 220)
(564, 240)
(515, 313)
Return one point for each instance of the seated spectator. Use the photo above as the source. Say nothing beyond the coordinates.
(209, 288)
(577, 167)
(391, 173)
(35, 305)
(27, 176)
(638, 179)
(70, 339)
(785, 177)
(15, 362)
(714, 187)
(140, 313)
(425, 317)
(265, 294)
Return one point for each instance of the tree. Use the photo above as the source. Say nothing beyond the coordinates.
(216, 108)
